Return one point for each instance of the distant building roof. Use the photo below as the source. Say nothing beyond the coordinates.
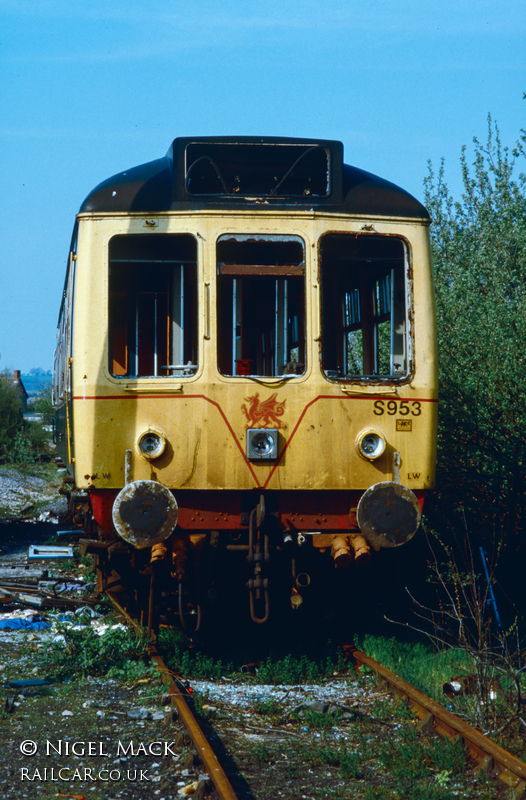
(17, 380)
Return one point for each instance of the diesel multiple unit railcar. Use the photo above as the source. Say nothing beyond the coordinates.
(245, 371)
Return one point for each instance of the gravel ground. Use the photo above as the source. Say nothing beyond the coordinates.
(125, 738)
(23, 495)
(242, 696)
(340, 739)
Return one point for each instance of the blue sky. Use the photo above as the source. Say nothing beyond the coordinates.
(88, 90)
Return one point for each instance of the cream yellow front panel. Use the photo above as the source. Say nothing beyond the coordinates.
(205, 417)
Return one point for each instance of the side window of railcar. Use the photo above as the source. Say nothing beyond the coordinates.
(153, 305)
(64, 348)
(261, 305)
(363, 307)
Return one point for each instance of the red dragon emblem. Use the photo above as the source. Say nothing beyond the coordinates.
(263, 413)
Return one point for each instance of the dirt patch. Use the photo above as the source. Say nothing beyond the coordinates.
(94, 737)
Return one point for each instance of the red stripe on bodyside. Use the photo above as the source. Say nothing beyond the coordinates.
(227, 423)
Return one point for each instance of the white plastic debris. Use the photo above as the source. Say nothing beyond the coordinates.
(189, 789)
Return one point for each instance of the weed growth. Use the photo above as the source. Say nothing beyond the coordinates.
(292, 670)
(83, 652)
(347, 761)
(319, 722)
(405, 757)
(261, 753)
(133, 672)
(189, 658)
(182, 656)
(268, 707)
(418, 663)
(448, 756)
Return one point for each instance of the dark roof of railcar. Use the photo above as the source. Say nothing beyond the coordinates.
(160, 186)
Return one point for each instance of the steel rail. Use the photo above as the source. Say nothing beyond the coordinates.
(492, 759)
(205, 752)
(212, 766)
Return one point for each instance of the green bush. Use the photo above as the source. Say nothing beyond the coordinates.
(479, 256)
(44, 405)
(81, 652)
(22, 443)
(11, 419)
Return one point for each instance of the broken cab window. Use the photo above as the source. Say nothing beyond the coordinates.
(260, 305)
(153, 305)
(263, 170)
(363, 307)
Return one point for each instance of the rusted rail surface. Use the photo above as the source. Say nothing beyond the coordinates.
(206, 754)
(492, 759)
(209, 759)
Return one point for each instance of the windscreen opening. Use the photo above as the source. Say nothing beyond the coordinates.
(363, 307)
(153, 305)
(264, 170)
(260, 305)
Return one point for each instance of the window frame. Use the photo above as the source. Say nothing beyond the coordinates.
(408, 289)
(294, 272)
(183, 371)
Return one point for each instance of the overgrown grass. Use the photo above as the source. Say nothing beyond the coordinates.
(270, 707)
(411, 760)
(418, 663)
(414, 767)
(348, 761)
(183, 655)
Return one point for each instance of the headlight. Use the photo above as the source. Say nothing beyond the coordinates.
(262, 444)
(151, 444)
(371, 445)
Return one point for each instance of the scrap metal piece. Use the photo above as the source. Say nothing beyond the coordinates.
(37, 552)
(388, 514)
(144, 513)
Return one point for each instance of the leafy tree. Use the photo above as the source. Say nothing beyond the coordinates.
(44, 405)
(11, 420)
(21, 442)
(479, 252)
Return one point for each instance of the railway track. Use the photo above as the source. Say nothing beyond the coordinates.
(490, 758)
(493, 760)
(186, 716)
